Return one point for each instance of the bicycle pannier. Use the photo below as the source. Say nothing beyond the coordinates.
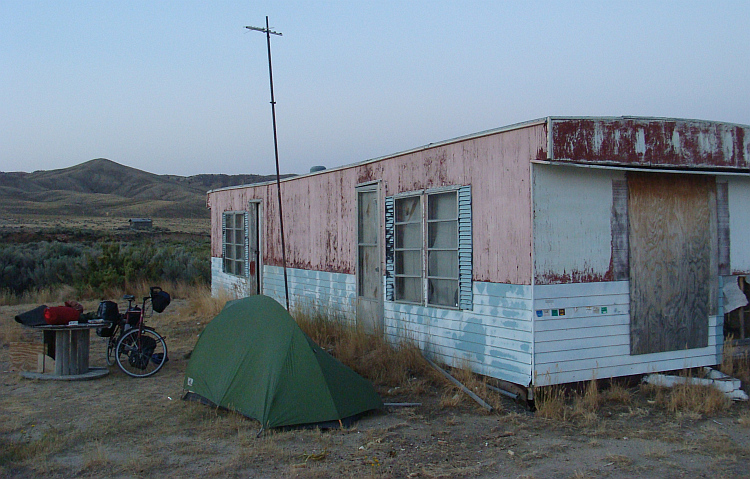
(105, 332)
(133, 316)
(159, 299)
(108, 311)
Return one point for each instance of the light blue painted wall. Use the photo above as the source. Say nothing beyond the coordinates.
(588, 341)
(335, 292)
(494, 339)
(739, 224)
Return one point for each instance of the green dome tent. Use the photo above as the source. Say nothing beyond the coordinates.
(254, 359)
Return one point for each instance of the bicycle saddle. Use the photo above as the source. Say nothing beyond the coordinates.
(129, 297)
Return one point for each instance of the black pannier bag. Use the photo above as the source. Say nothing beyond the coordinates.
(107, 311)
(141, 359)
(132, 316)
(159, 299)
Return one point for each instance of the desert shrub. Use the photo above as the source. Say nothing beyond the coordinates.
(99, 266)
(38, 265)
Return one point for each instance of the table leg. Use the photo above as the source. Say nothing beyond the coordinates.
(62, 353)
(72, 352)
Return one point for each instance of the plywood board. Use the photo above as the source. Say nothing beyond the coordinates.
(672, 251)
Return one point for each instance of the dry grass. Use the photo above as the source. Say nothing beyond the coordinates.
(688, 400)
(388, 366)
(62, 293)
(732, 364)
(617, 393)
(203, 304)
(550, 402)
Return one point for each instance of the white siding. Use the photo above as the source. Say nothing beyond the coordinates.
(313, 289)
(739, 224)
(572, 223)
(494, 339)
(238, 286)
(587, 342)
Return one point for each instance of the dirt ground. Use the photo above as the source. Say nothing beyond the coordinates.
(121, 427)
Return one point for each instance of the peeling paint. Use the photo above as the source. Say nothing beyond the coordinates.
(573, 277)
(652, 143)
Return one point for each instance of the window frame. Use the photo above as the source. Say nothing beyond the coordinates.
(402, 249)
(233, 259)
(425, 249)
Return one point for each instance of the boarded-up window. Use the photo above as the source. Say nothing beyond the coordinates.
(672, 257)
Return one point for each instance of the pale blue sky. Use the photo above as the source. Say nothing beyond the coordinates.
(182, 87)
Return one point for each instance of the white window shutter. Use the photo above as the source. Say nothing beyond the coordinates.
(390, 234)
(465, 295)
(224, 242)
(246, 246)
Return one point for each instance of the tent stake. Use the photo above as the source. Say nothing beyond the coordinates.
(461, 386)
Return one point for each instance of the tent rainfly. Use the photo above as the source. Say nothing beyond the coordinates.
(254, 359)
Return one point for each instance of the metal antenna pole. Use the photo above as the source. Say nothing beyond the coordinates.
(268, 33)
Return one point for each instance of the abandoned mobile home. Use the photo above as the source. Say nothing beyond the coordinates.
(547, 252)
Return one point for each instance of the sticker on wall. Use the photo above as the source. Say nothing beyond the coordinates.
(539, 313)
(554, 312)
(562, 312)
(596, 309)
(547, 312)
(604, 310)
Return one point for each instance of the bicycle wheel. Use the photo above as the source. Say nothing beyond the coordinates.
(141, 353)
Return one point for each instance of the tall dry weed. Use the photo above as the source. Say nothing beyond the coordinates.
(617, 393)
(389, 366)
(590, 399)
(733, 363)
(550, 403)
(687, 398)
(202, 303)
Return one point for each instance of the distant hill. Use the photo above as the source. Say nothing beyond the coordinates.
(102, 187)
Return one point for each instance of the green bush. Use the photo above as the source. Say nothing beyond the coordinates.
(99, 265)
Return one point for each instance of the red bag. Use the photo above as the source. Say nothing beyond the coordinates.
(58, 315)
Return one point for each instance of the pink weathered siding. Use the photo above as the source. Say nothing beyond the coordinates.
(320, 209)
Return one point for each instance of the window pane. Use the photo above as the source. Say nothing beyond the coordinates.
(443, 292)
(408, 289)
(239, 221)
(407, 209)
(442, 206)
(409, 263)
(238, 265)
(442, 234)
(443, 264)
(409, 235)
(368, 218)
(228, 235)
(239, 253)
(239, 237)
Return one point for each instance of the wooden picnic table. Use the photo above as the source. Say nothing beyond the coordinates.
(71, 352)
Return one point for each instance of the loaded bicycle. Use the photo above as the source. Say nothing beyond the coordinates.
(139, 350)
